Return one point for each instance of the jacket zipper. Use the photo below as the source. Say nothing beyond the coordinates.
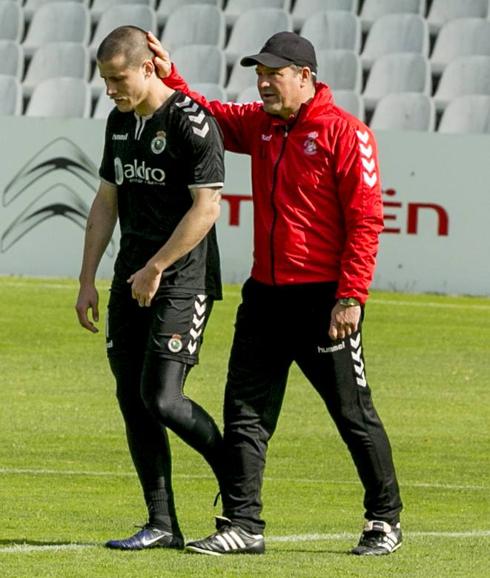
(273, 204)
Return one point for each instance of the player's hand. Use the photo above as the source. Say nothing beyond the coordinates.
(344, 321)
(144, 285)
(88, 298)
(161, 59)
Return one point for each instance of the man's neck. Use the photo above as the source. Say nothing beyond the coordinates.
(158, 94)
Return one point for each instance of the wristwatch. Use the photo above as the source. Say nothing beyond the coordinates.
(349, 302)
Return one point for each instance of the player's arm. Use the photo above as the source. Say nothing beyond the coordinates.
(100, 226)
(193, 227)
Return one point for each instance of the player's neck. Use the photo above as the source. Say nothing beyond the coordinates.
(157, 95)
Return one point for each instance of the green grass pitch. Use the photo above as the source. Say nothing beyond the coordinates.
(67, 483)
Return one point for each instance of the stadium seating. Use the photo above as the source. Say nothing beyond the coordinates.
(303, 9)
(374, 9)
(340, 69)
(241, 77)
(396, 33)
(441, 11)
(404, 111)
(201, 63)
(467, 114)
(351, 101)
(393, 73)
(11, 58)
(333, 29)
(167, 7)
(249, 94)
(10, 95)
(236, 7)
(465, 75)
(60, 97)
(194, 24)
(210, 90)
(103, 106)
(57, 22)
(252, 29)
(119, 15)
(31, 6)
(460, 37)
(11, 20)
(98, 7)
(57, 59)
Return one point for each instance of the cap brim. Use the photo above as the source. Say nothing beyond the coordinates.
(270, 60)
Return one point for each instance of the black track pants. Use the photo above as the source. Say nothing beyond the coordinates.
(274, 327)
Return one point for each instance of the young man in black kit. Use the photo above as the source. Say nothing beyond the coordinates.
(161, 175)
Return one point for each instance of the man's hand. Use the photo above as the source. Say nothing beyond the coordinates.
(88, 298)
(344, 321)
(161, 59)
(144, 285)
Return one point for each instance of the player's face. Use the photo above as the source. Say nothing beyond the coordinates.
(125, 85)
(280, 89)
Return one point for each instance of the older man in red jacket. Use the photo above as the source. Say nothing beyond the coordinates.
(317, 219)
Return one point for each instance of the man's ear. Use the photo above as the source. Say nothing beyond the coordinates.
(148, 67)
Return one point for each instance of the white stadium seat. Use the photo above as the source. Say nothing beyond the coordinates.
(303, 9)
(467, 114)
(394, 73)
(404, 111)
(395, 33)
(210, 91)
(60, 97)
(373, 9)
(252, 29)
(11, 58)
(11, 20)
(31, 6)
(249, 94)
(241, 77)
(200, 63)
(236, 7)
(194, 24)
(103, 106)
(441, 11)
(57, 22)
(351, 102)
(333, 29)
(460, 37)
(10, 95)
(465, 75)
(167, 7)
(57, 59)
(340, 69)
(98, 7)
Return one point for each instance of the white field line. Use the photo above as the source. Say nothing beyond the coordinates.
(471, 534)
(95, 474)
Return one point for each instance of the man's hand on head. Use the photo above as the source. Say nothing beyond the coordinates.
(161, 59)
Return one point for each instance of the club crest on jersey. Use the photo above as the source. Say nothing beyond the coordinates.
(159, 143)
(310, 146)
(175, 343)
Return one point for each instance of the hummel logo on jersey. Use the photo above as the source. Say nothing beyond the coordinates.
(120, 136)
(332, 349)
(201, 127)
(137, 172)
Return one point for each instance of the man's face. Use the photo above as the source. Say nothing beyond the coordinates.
(280, 89)
(125, 85)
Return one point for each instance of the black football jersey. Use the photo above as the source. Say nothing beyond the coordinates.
(153, 161)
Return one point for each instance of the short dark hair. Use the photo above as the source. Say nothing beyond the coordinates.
(130, 41)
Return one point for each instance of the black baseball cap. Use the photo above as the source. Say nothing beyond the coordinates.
(283, 49)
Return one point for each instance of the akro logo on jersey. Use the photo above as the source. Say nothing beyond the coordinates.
(137, 172)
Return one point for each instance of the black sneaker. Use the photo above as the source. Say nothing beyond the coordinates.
(229, 539)
(378, 538)
(147, 537)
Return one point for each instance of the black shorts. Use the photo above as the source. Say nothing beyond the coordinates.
(172, 327)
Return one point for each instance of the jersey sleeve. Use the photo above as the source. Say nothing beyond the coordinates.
(357, 172)
(106, 169)
(235, 120)
(202, 145)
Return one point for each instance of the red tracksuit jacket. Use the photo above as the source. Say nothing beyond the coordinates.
(316, 191)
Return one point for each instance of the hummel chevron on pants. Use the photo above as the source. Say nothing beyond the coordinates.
(275, 326)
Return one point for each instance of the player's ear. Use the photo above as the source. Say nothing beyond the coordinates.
(148, 68)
